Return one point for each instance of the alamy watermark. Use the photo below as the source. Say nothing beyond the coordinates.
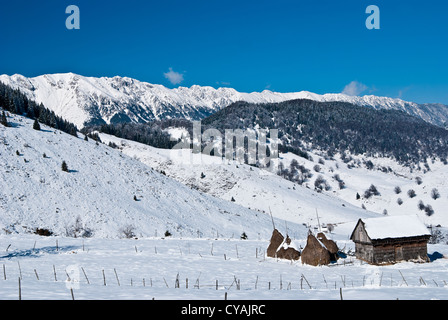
(73, 21)
(73, 277)
(373, 20)
(250, 146)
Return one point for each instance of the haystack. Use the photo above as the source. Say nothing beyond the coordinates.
(315, 253)
(288, 251)
(281, 248)
(331, 246)
(276, 241)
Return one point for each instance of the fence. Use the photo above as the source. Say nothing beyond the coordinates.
(337, 277)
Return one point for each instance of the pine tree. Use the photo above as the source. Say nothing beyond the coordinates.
(4, 120)
(435, 194)
(64, 166)
(36, 125)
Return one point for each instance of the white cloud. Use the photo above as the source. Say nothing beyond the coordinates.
(174, 77)
(354, 88)
(223, 83)
(402, 92)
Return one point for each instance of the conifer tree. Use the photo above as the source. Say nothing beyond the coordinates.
(4, 120)
(64, 166)
(36, 125)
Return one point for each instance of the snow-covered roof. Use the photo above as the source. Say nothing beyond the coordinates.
(395, 227)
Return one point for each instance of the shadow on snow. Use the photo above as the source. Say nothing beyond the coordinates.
(34, 253)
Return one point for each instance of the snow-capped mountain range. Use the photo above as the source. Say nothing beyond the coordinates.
(89, 100)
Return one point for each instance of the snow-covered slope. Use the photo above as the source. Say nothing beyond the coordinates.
(82, 100)
(261, 190)
(96, 196)
(248, 186)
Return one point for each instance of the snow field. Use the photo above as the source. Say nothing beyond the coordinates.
(199, 268)
(104, 192)
(100, 189)
(264, 191)
(250, 187)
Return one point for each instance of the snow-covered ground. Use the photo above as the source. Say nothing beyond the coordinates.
(97, 195)
(265, 191)
(105, 193)
(199, 268)
(359, 179)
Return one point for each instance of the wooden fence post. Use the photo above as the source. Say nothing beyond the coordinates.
(104, 277)
(85, 275)
(54, 273)
(116, 276)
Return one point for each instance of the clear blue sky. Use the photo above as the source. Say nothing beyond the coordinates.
(319, 46)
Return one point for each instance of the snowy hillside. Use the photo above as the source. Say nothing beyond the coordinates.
(262, 190)
(88, 100)
(386, 175)
(104, 193)
(245, 185)
(110, 194)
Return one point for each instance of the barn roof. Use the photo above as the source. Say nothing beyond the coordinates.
(394, 227)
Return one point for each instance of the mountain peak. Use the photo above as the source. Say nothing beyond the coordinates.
(84, 100)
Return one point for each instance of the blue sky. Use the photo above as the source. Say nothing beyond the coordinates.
(320, 46)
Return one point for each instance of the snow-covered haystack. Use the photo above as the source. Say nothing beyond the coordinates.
(281, 247)
(331, 246)
(315, 253)
(288, 250)
(275, 242)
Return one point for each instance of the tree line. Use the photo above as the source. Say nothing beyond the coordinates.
(339, 127)
(15, 102)
(306, 125)
(151, 133)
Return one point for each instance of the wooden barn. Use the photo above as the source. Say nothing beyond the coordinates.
(390, 239)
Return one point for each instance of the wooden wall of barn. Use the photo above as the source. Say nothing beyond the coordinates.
(390, 253)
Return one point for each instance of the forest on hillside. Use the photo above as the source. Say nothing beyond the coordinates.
(306, 125)
(339, 127)
(15, 102)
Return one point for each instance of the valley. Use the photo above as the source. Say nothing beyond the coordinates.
(126, 220)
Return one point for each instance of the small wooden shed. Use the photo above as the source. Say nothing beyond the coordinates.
(391, 239)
